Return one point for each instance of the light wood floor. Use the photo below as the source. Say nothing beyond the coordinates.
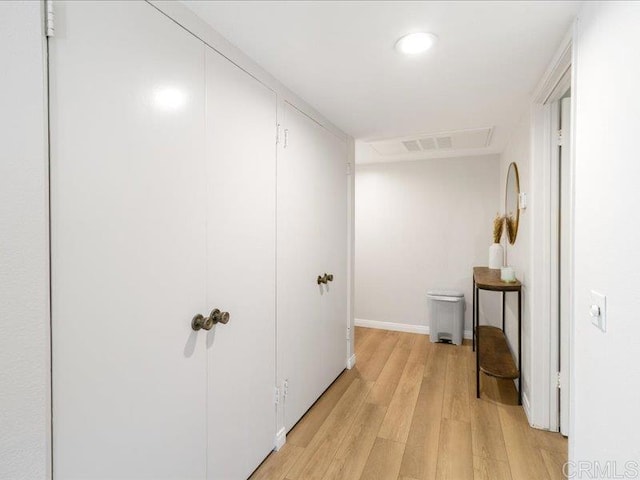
(408, 411)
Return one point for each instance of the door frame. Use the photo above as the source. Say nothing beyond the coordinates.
(543, 410)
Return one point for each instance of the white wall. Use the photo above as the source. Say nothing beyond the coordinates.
(606, 388)
(421, 225)
(519, 254)
(24, 278)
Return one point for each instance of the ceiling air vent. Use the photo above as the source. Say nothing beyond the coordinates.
(444, 142)
(456, 140)
(411, 146)
(428, 143)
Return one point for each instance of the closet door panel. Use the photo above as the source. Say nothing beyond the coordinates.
(128, 244)
(308, 348)
(241, 243)
(333, 217)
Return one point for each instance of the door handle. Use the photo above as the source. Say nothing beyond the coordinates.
(206, 323)
(199, 322)
(326, 278)
(217, 316)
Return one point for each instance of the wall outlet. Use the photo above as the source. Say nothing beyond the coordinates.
(598, 310)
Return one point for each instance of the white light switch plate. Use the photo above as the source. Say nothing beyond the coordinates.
(522, 201)
(598, 310)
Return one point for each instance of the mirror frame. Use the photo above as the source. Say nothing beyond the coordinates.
(513, 166)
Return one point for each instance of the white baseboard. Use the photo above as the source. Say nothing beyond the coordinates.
(400, 327)
(281, 439)
(351, 362)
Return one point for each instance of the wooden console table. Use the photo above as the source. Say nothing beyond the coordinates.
(493, 356)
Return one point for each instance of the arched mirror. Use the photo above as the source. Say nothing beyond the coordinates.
(511, 210)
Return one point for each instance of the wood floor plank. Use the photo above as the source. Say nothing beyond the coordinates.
(397, 421)
(376, 362)
(456, 394)
(552, 441)
(316, 458)
(356, 446)
(309, 425)
(384, 460)
(387, 381)
(370, 345)
(421, 348)
(421, 455)
(455, 455)
(489, 469)
(554, 462)
(525, 459)
(430, 397)
(360, 335)
(486, 430)
(277, 465)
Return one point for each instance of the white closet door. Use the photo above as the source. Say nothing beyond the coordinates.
(334, 226)
(311, 336)
(241, 236)
(128, 202)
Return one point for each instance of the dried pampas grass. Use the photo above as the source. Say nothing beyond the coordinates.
(498, 227)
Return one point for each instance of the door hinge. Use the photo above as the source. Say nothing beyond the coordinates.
(285, 389)
(49, 19)
(348, 168)
(286, 138)
(277, 134)
(559, 137)
(348, 333)
(276, 396)
(558, 380)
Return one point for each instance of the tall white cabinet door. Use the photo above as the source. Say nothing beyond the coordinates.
(241, 239)
(333, 217)
(310, 353)
(128, 199)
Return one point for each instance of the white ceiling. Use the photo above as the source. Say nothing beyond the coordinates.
(339, 56)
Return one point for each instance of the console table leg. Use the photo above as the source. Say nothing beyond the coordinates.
(476, 323)
(503, 310)
(473, 316)
(520, 346)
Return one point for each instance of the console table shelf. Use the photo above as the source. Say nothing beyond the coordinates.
(493, 356)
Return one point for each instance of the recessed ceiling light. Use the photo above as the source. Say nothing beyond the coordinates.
(415, 43)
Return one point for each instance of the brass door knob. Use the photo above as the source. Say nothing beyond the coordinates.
(219, 317)
(199, 322)
(329, 277)
(322, 279)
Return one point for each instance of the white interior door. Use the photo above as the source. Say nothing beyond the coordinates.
(565, 260)
(311, 202)
(333, 218)
(241, 239)
(128, 202)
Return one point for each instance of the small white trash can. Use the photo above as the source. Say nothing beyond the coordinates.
(446, 316)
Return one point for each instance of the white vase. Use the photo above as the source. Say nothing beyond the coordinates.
(496, 256)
